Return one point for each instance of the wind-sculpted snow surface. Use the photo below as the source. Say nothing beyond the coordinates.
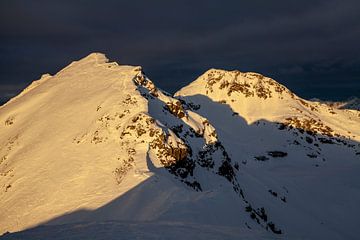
(98, 144)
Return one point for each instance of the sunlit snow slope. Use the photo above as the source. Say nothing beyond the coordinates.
(98, 144)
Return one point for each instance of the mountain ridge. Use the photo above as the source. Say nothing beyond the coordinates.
(96, 130)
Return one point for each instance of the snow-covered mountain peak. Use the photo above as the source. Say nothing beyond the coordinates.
(249, 94)
(95, 57)
(249, 84)
(92, 132)
(99, 142)
(98, 61)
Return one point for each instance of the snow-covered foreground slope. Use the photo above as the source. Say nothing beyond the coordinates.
(98, 148)
(114, 230)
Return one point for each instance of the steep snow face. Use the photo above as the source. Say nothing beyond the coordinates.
(98, 135)
(99, 144)
(60, 141)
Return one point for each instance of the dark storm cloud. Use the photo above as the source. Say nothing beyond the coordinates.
(310, 46)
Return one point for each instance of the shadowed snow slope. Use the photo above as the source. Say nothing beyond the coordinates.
(99, 148)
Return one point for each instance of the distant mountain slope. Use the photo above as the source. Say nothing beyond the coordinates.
(98, 144)
(352, 103)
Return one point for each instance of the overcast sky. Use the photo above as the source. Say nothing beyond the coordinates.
(312, 47)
